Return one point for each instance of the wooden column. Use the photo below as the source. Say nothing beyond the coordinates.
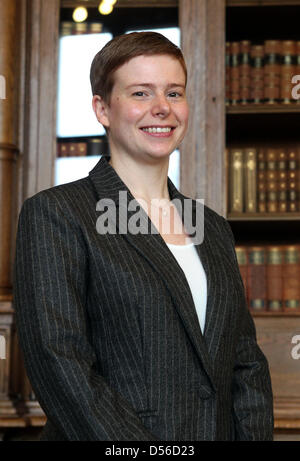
(8, 137)
(42, 35)
(37, 137)
(9, 70)
(28, 75)
(202, 24)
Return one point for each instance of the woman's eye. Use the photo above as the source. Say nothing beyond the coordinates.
(174, 94)
(138, 93)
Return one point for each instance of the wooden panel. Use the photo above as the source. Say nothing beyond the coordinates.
(41, 92)
(6, 407)
(7, 202)
(203, 150)
(263, 109)
(9, 56)
(274, 335)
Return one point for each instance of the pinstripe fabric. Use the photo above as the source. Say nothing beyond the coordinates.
(109, 331)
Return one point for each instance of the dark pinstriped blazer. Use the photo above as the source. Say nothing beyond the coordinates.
(109, 331)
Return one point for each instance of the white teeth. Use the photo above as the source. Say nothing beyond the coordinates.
(157, 130)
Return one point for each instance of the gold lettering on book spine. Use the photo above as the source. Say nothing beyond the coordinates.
(237, 181)
(250, 180)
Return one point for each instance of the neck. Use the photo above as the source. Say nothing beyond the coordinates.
(144, 180)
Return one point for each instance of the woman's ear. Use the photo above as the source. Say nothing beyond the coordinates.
(101, 110)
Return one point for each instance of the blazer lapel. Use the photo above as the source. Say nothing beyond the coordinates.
(154, 249)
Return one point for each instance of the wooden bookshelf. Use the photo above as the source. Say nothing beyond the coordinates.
(292, 216)
(274, 314)
(261, 2)
(252, 125)
(122, 3)
(264, 109)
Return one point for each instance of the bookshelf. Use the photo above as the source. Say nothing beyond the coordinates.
(267, 126)
(263, 109)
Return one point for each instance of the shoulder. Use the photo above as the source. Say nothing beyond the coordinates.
(67, 191)
(65, 198)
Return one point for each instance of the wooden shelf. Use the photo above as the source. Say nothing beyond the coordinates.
(23, 421)
(293, 216)
(263, 109)
(261, 2)
(274, 314)
(121, 3)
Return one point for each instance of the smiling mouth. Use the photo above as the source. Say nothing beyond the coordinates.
(166, 129)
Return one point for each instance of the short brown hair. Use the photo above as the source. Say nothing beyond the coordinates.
(120, 50)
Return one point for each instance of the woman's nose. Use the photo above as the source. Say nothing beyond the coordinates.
(161, 106)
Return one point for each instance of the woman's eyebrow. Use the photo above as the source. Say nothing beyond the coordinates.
(151, 85)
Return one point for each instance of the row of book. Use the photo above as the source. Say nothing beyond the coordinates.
(79, 28)
(264, 180)
(262, 73)
(271, 277)
(94, 146)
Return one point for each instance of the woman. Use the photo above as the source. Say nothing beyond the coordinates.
(131, 328)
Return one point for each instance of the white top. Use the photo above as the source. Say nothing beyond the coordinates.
(189, 260)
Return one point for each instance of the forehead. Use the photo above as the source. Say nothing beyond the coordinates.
(150, 69)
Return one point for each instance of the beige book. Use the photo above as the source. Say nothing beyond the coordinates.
(236, 181)
(250, 180)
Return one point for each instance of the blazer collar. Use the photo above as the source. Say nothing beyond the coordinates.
(153, 248)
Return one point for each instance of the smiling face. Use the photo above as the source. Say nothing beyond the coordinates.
(148, 113)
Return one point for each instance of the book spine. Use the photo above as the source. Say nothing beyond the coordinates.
(80, 28)
(271, 178)
(66, 28)
(72, 149)
(272, 72)
(292, 168)
(95, 28)
(282, 181)
(256, 280)
(291, 277)
(257, 74)
(234, 73)
(274, 278)
(245, 71)
(288, 68)
(58, 149)
(95, 147)
(236, 183)
(261, 181)
(250, 180)
(64, 149)
(82, 149)
(227, 74)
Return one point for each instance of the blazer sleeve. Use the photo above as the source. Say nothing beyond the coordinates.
(50, 287)
(252, 390)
